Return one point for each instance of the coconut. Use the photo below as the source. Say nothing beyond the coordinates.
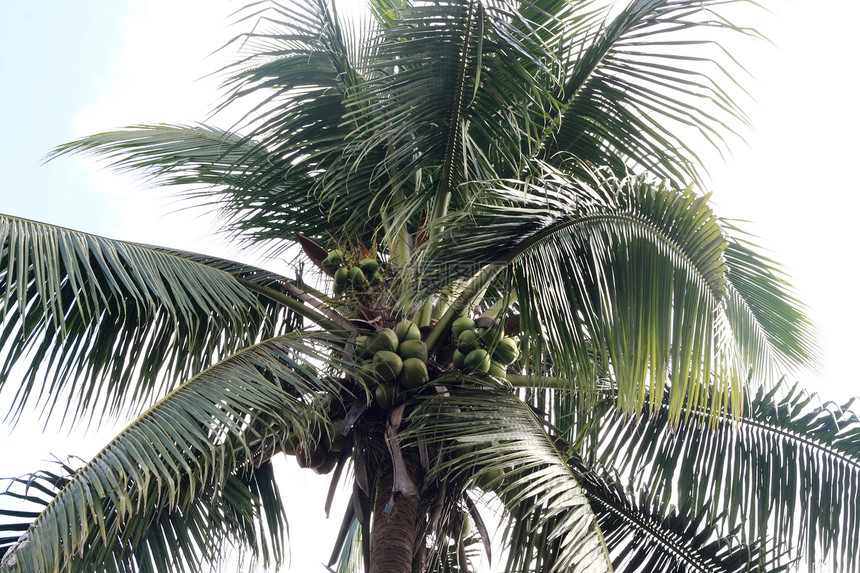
(288, 446)
(407, 330)
(387, 365)
(368, 266)
(413, 349)
(310, 455)
(488, 478)
(469, 451)
(366, 373)
(497, 370)
(329, 265)
(361, 347)
(414, 373)
(339, 442)
(467, 526)
(458, 359)
(335, 257)
(506, 351)
(375, 278)
(386, 395)
(461, 324)
(356, 277)
(490, 337)
(468, 341)
(328, 464)
(341, 276)
(477, 360)
(384, 339)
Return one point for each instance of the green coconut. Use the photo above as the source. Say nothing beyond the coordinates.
(375, 278)
(477, 360)
(506, 351)
(467, 526)
(497, 370)
(335, 257)
(386, 395)
(383, 339)
(413, 349)
(468, 341)
(368, 266)
(414, 373)
(341, 276)
(328, 264)
(387, 365)
(458, 359)
(356, 277)
(488, 478)
(490, 337)
(465, 451)
(461, 324)
(361, 347)
(407, 330)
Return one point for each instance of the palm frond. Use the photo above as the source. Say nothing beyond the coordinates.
(197, 440)
(227, 521)
(645, 536)
(302, 68)
(626, 270)
(495, 442)
(762, 309)
(460, 92)
(637, 88)
(410, 113)
(221, 170)
(787, 470)
(80, 309)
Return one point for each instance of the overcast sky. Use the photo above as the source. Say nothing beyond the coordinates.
(75, 68)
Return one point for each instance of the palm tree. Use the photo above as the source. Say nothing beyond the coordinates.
(508, 294)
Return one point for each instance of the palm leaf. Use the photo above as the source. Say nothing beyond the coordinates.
(217, 169)
(242, 515)
(219, 424)
(763, 311)
(637, 87)
(83, 309)
(409, 114)
(303, 67)
(786, 470)
(625, 270)
(459, 90)
(495, 441)
(645, 536)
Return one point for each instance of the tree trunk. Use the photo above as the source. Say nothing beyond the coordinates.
(394, 522)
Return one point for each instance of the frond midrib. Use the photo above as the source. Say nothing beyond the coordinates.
(454, 121)
(613, 217)
(654, 532)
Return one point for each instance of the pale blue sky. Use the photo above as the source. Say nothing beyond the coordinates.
(55, 56)
(72, 68)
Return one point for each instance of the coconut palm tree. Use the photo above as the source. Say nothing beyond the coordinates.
(508, 296)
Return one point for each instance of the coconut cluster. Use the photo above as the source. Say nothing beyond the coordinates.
(366, 272)
(395, 360)
(320, 454)
(482, 349)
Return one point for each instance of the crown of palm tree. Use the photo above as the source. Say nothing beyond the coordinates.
(519, 299)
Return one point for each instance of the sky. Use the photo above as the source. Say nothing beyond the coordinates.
(76, 68)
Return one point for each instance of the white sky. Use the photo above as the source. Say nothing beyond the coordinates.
(75, 68)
